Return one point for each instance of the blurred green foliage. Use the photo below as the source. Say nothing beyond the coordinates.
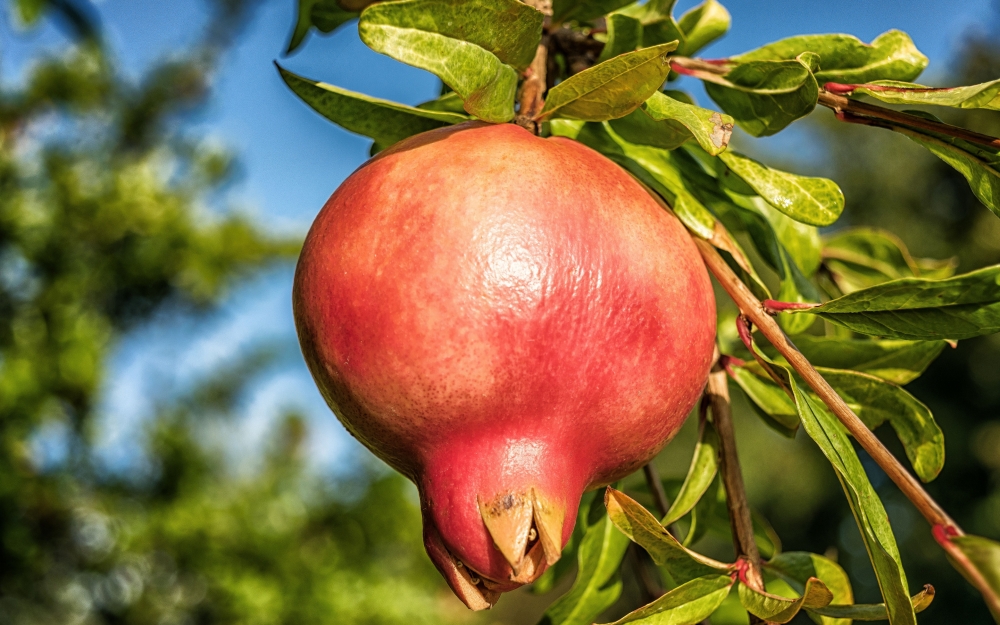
(107, 220)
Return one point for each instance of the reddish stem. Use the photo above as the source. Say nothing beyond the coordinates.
(773, 307)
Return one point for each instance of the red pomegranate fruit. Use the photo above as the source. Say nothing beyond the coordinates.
(508, 321)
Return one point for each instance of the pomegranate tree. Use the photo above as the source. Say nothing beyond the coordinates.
(509, 302)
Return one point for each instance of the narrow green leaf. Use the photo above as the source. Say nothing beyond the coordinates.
(984, 554)
(624, 35)
(980, 167)
(702, 25)
(897, 361)
(325, 15)
(870, 612)
(766, 96)
(459, 42)
(642, 527)
(775, 609)
(704, 466)
(688, 604)
(876, 401)
(597, 585)
(796, 567)
(814, 201)
(920, 309)
(584, 10)
(843, 58)
(982, 96)
(611, 89)
(665, 123)
(508, 29)
(859, 258)
(773, 403)
(385, 122)
(832, 439)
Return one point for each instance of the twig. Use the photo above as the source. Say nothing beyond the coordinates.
(717, 392)
(656, 488)
(846, 108)
(752, 308)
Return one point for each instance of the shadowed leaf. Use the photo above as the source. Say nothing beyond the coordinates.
(775, 609)
(796, 567)
(624, 35)
(897, 361)
(584, 10)
(870, 612)
(702, 25)
(704, 466)
(688, 604)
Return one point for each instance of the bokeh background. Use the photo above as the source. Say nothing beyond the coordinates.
(164, 456)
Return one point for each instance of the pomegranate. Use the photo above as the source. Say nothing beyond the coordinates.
(508, 321)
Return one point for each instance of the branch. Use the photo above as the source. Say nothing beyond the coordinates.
(753, 309)
(717, 392)
(846, 109)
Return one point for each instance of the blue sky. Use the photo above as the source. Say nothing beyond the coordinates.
(292, 160)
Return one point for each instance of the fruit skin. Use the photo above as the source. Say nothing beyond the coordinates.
(508, 321)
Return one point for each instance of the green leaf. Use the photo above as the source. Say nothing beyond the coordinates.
(385, 122)
(702, 25)
(584, 10)
(876, 401)
(654, 168)
(766, 96)
(28, 12)
(814, 201)
(844, 614)
(508, 29)
(772, 403)
(325, 15)
(704, 466)
(920, 309)
(859, 258)
(775, 609)
(832, 439)
(982, 96)
(473, 46)
(688, 604)
(897, 361)
(847, 59)
(796, 567)
(979, 166)
(710, 129)
(658, 24)
(611, 89)
(448, 103)
(984, 554)
(597, 585)
(624, 35)
(642, 527)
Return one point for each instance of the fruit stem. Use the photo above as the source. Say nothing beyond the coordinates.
(531, 96)
(854, 111)
(717, 392)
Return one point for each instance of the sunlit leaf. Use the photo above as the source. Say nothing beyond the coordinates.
(844, 58)
(775, 609)
(710, 129)
(982, 96)
(624, 35)
(473, 47)
(658, 23)
(979, 166)
(814, 201)
(610, 89)
(688, 604)
(773, 403)
(702, 25)
(597, 585)
(962, 307)
(984, 555)
(704, 466)
(766, 96)
(870, 612)
(643, 528)
(385, 122)
(796, 567)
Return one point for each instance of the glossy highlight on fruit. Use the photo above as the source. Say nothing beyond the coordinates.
(508, 321)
